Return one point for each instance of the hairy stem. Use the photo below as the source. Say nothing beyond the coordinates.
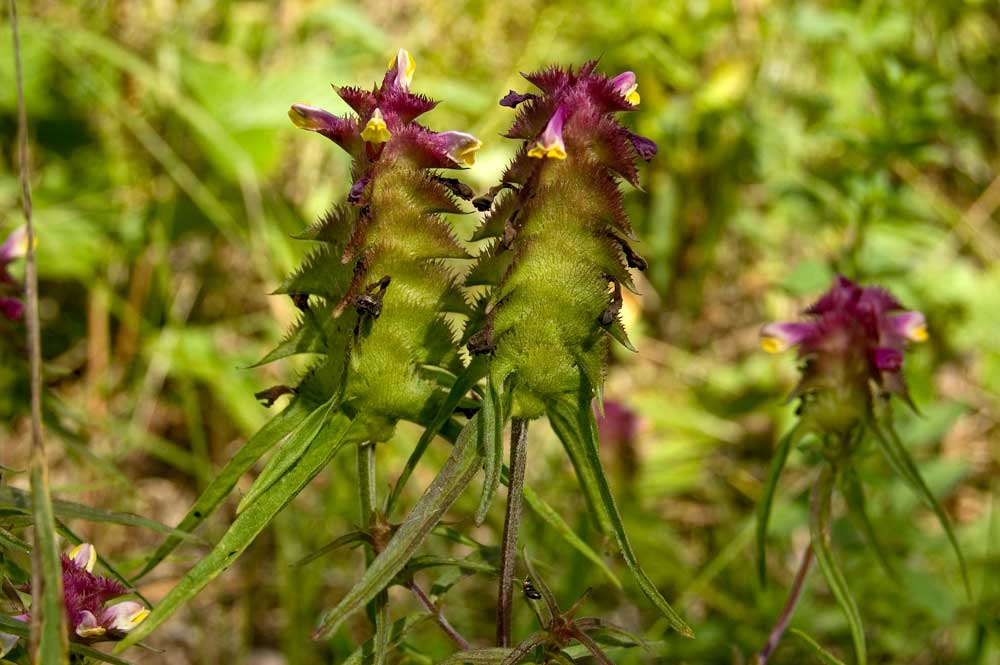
(786, 613)
(511, 526)
(378, 608)
(442, 621)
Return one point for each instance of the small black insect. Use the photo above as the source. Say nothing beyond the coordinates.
(530, 591)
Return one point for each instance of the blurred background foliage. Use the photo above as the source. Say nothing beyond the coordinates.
(797, 139)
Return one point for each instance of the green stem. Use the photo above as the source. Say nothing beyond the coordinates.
(511, 526)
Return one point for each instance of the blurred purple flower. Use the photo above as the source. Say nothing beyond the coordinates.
(94, 606)
(13, 248)
(855, 335)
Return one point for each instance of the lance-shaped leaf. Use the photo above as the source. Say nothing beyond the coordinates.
(462, 385)
(222, 484)
(249, 524)
(456, 474)
(825, 656)
(51, 639)
(288, 454)
(819, 527)
(20, 501)
(900, 459)
(491, 656)
(576, 427)
(767, 498)
(854, 496)
(491, 447)
(350, 538)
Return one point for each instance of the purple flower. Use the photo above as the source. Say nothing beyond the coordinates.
(12, 308)
(573, 115)
(95, 606)
(385, 127)
(619, 425)
(854, 335)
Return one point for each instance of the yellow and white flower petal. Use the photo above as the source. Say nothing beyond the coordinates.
(87, 627)
(84, 556)
(123, 617)
(376, 131)
(405, 67)
(460, 147)
(550, 144)
(626, 84)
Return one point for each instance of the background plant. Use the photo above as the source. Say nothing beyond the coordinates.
(796, 140)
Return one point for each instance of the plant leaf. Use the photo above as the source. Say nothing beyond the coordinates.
(293, 448)
(52, 642)
(347, 539)
(559, 525)
(490, 656)
(901, 460)
(767, 498)
(456, 474)
(825, 656)
(223, 483)
(463, 384)
(819, 526)
(491, 447)
(576, 427)
(854, 496)
(18, 500)
(248, 525)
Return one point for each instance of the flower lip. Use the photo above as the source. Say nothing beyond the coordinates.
(460, 147)
(781, 336)
(405, 67)
(84, 556)
(910, 325)
(550, 143)
(15, 246)
(376, 130)
(626, 84)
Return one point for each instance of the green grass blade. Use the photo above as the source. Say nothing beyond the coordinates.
(767, 498)
(347, 539)
(901, 460)
(825, 656)
(564, 531)
(580, 442)
(20, 501)
(819, 526)
(854, 496)
(223, 483)
(491, 447)
(247, 526)
(456, 474)
(290, 452)
(52, 642)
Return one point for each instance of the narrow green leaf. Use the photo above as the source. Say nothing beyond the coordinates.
(52, 642)
(819, 527)
(223, 483)
(491, 656)
(564, 531)
(456, 474)
(290, 452)
(491, 447)
(424, 562)
(854, 496)
(20, 501)
(12, 542)
(19, 628)
(901, 460)
(576, 427)
(347, 539)
(825, 656)
(463, 384)
(400, 629)
(248, 525)
(767, 498)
